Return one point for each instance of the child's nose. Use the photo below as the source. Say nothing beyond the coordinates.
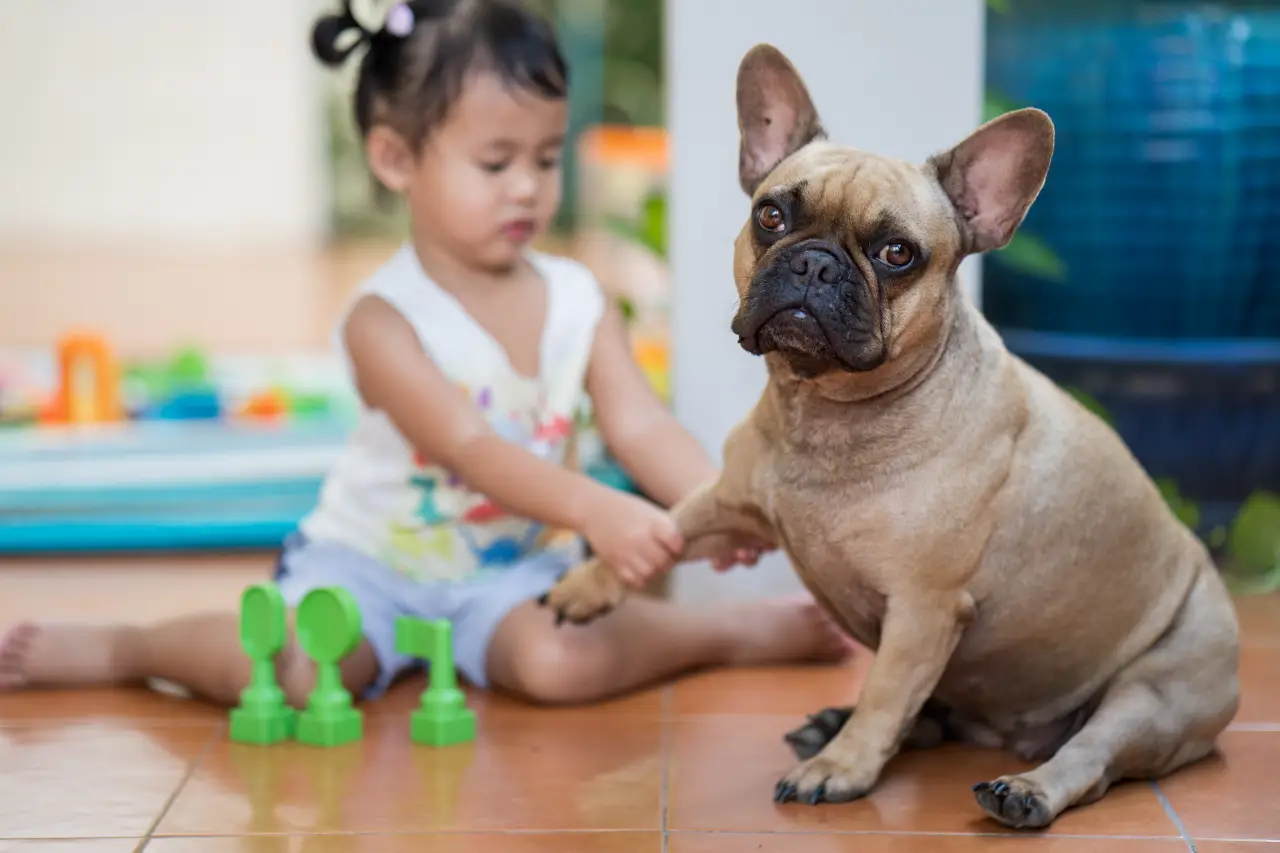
(525, 185)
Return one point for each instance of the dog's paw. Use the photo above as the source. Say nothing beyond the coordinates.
(808, 740)
(1014, 802)
(822, 779)
(587, 591)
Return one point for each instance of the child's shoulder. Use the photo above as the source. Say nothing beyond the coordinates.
(562, 270)
(397, 272)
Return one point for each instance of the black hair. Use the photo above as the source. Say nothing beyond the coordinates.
(417, 63)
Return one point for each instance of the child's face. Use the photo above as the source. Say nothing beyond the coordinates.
(488, 179)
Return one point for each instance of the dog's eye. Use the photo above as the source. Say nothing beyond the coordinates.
(896, 254)
(770, 218)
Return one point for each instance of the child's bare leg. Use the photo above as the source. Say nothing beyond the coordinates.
(647, 640)
(200, 652)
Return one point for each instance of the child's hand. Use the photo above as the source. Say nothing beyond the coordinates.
(636, 538)
(746, 556)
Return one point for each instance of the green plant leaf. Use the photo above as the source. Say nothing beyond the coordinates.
(995, 105)
(1000, 7)
(1032, 256)
(1267, 582)
(622, 227)
(627, 307)
(653, 224)
(1088, 401)
(1187, 511)
(1254, 539)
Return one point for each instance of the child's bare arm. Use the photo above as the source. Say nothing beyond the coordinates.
(664, 458)
(395, 375)
(643, 435)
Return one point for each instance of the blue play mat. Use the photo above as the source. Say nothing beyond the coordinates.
(160, 485)
(169, 485)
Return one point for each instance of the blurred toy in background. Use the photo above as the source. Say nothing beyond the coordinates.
(623, 205)
(88, 389)
(187, 451)
(179, 389)
(624, 243)
(82, 382)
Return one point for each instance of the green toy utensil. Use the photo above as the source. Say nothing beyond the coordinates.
(262, 717)
(328, 623)
(443, 717)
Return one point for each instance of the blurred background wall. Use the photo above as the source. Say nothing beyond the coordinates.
(182, 181)
(159, 163)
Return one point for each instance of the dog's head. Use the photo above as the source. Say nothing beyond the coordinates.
(847, 261)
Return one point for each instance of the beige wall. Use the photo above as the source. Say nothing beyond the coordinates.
(162, 170)
(157, 119)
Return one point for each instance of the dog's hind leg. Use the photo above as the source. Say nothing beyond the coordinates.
(1161, 712)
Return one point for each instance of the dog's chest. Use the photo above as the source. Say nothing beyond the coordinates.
(833, 555)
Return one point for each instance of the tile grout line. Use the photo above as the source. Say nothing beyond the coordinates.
(664, 748)
(177, 789)
(781, 833)
(910, 833)
(1173, 815)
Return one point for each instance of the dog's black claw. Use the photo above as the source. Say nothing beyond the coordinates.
(1020, 809)
(785, 792)
(808, 740)
(543, 599)
(560, 618)
(817, 795)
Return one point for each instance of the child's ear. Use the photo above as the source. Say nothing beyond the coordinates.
(390, 158)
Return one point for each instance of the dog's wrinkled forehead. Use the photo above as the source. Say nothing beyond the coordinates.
(846, 189)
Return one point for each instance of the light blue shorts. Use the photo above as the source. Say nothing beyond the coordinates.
(474, 606)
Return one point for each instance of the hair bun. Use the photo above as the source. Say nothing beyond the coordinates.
(328, 31)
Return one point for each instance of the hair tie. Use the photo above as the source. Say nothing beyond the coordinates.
(400, 20)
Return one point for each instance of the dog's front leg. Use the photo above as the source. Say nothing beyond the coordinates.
(920, 633)
(711, 521)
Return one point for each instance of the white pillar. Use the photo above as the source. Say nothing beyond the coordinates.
(903, 79)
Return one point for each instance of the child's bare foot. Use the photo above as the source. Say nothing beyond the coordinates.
(34, 655)
(787, 630)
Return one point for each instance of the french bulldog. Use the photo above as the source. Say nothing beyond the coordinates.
(1020, 578)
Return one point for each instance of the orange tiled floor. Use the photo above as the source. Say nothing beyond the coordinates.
(688, 768)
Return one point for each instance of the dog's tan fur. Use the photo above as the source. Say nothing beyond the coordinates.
(1019, 575)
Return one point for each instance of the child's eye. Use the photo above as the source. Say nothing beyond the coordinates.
(494, 167)
(547, 164)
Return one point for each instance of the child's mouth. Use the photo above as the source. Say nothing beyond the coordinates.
(518, 232)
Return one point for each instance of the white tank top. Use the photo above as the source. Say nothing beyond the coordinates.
(385, 501)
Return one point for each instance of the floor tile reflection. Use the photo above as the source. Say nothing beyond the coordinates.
(723, 771)
(550, 842)
(91, 780)
(533, 773)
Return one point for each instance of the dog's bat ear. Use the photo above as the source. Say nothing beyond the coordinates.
(993, 176)
(776, 116)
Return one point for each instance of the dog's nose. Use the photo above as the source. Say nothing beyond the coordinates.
(816, 265)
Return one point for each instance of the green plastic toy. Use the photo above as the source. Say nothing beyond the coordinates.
(442, 718)
(328, 630)
(263, 716)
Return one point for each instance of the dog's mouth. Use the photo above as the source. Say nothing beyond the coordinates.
(809, 347)
(798, 335)
(795, 331)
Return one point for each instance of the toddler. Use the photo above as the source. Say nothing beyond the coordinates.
(471, 352)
